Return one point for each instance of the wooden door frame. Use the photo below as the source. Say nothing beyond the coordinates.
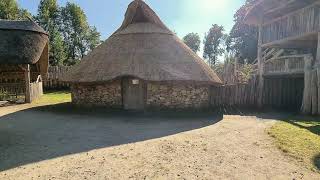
(144, 87)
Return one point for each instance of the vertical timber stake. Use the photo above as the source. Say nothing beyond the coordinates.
(314, 92)
(307, 99)
(317, 65)
(318, 86)
(27, 84)
(261, 69)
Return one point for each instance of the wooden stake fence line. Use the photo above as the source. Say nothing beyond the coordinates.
(52, 81)
(278, 93)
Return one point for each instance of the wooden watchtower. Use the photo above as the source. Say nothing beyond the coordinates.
(289, 24)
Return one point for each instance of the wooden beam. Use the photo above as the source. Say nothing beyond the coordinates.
(27, 84)
(284, 75)
(292, 45)
(306, 40)
(283, 5)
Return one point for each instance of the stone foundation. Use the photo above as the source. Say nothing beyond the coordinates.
(108, 95)
(166, 96)
(159, 95)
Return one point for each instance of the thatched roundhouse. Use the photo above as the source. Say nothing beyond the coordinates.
(142, 65)
(23, 59)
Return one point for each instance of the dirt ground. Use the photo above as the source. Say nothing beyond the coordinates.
(47, 144)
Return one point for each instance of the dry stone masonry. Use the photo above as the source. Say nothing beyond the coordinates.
(159, 96)
(108, 95)
(177, 96)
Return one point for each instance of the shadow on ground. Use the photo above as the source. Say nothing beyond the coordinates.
(48, 132)
(317, 161)
(310, 123)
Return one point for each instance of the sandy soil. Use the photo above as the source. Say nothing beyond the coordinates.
(38, 144)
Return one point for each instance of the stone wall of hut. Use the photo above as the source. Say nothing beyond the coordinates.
(108, 95)
(175, 96)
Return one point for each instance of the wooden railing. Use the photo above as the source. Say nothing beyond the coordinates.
(286, 65)
(12, 91)
(299, 23)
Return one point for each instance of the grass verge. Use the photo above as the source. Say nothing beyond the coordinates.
(54, 98)
(299, 139)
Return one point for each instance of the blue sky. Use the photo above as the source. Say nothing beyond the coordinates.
(181, 16)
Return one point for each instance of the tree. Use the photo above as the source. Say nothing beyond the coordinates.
(49, 18)
(48, 14)
(93, 38)
(79, 37)
(9, 9)
(57, 54)
(193, 41)
(243, 37)
(212, 44)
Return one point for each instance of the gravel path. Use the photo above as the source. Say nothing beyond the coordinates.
(45, 145)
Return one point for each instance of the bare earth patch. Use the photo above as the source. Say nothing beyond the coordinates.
(37, 144)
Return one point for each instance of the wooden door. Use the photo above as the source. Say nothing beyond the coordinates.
(133, 93)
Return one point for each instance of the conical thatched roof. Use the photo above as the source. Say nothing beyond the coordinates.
(23, 42)
(145, 48)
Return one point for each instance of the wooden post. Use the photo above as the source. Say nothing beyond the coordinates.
(318, 86)
(237, 101)
(314, 92)
(318, 51)
(27, 84)
(307, 99)
(236, 69)
(317, 66)
(261, 68)
(286, 65)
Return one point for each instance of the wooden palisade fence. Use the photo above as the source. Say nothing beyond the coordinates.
(241, 94)
(311, 100)
(52, 81)
(286, 93)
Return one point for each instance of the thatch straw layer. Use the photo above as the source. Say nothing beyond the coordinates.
(21, 47)
(22, 42)
(144, 48)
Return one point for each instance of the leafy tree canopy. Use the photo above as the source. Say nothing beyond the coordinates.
(49, 18)
(10, 10)
(71, 37)
(193, 41)
(244, 38)
(212, 43)
(79, 37)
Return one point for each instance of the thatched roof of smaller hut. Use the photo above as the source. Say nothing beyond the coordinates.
(143, 47)
(26, 25)
(23, 42)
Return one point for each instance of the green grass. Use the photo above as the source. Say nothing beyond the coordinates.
(54, 98)
(299, 139)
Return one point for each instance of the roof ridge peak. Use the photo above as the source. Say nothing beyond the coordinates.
(138, 11)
